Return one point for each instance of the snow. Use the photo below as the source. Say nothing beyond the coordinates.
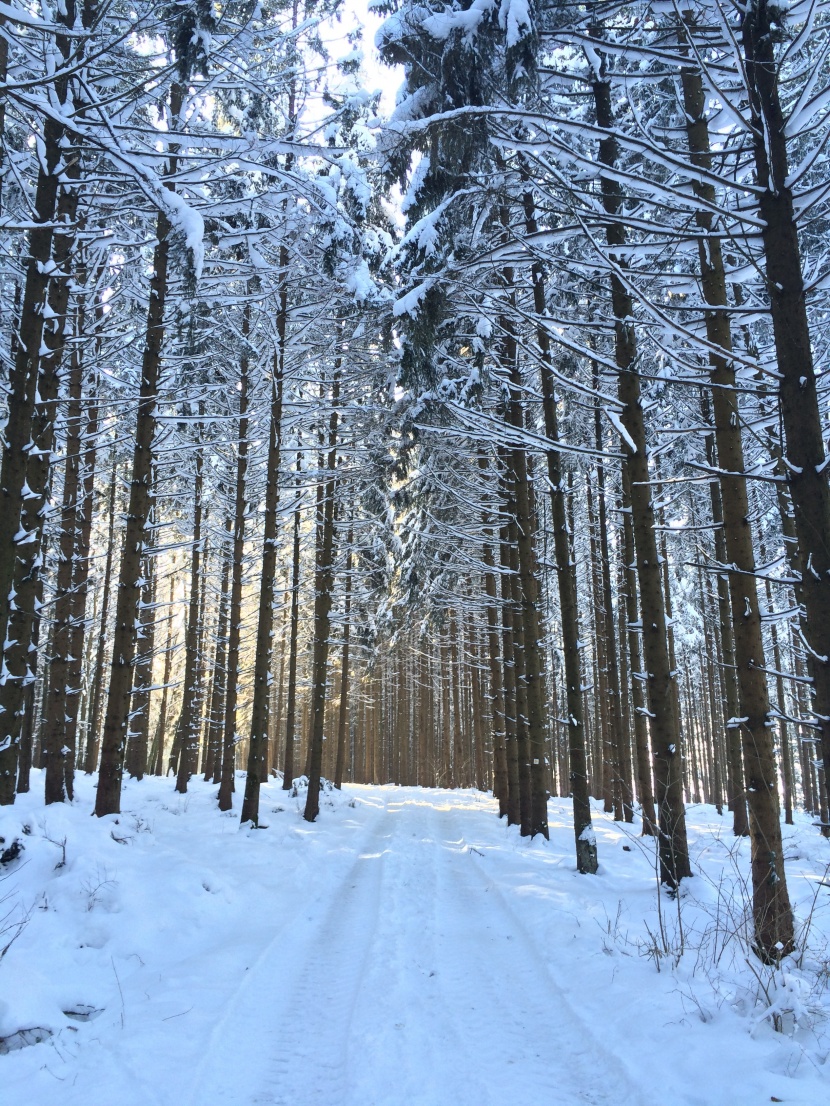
(408, 304)
(442, 24)
(617, 423)
(515, 20)
(190, 225)
(408, 947)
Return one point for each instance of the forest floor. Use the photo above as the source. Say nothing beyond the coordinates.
(408, 949)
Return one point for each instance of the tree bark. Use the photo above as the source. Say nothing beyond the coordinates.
(291, 695)
(343, 716)
(806, 461)
(226, 786)
(185, 753)
(774, 932)
(108, 797)
(263, 662)
(93, 726)
(323, 587)
(665, 724)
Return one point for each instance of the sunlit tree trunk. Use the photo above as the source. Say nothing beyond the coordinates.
(93, 726)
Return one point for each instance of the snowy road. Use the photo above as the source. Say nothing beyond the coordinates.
(411, 973)
(407, 950)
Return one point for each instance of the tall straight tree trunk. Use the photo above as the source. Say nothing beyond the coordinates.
(218, 691)
(116, 723)
(535, 819)
(80, 641)
(226, 786)
(665, 724)
(291, 694)
(605, 740)
(586, 849)
(277, 716)
(735, 767)
(343, 716)
(186, 743)
(93, 725)
(27, 344)
(455, 695)
(157, 745)
(478, 710)
(445, 675)
(24, 537)
(136, 757)
(60, 755)
(786, 760)
(620, 758)
(509, 680)
(323, 587)
(494, 661)
(806, 461)
(263, 659)
(774, 932)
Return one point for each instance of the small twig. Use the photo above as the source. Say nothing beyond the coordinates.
(121, 993)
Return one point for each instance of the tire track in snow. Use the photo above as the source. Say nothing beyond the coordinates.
(281, 1037)
(504, 993)
(310, 1059)
(397, 1054)
(411, 979)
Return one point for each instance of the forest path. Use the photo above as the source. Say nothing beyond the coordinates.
(411, 980)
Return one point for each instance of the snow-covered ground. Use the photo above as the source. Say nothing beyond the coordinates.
(406, 950)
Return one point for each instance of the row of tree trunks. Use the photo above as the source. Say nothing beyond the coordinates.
(772, 914)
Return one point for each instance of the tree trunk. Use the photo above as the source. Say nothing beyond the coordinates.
(800, 408)
(80, 641)
(772, 914)
(665, 724)
(735, 766)
(185, 754)
(226, 786)
(108, 797)
(586, 852)
(509, 679)
(263, 661)
(323, 587)
(291, 695)
(60, 755)
(93, 729)
(21, 546)
(136, 756)
(157, 747)
(494, 660)
(343, 716)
